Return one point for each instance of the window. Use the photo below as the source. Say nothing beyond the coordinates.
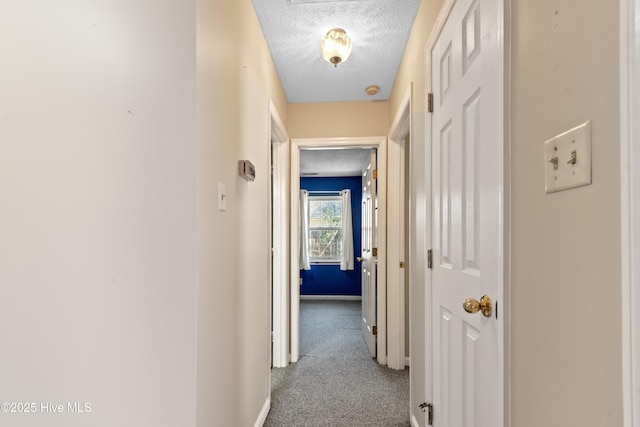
(325, 228)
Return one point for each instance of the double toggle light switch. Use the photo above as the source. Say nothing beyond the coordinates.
(568, 159)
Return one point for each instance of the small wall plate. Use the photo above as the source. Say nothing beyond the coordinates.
(567, 159)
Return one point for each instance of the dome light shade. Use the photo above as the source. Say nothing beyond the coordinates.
(336, 46)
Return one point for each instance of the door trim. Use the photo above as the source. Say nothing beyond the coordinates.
(505, 209)
(280, 296)
(630, 208)
(379, 142)
(396, 312)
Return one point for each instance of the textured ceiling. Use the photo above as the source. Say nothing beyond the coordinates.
(379, 30)
(333, 162)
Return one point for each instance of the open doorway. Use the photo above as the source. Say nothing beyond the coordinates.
(338, 229)
(298, 145)
(279, 252)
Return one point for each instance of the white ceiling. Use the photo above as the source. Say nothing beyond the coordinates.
(294, 29)
(379, 30)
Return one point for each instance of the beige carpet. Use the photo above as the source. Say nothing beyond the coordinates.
(336, 382)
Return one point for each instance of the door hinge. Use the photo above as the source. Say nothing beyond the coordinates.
(375, 174)
(401, 264)
(374, 330)
(430, 102)
(428, 407)
(374, 252)
(430, 258)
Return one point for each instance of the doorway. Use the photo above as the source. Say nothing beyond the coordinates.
(336, 143)
(409, 152)
(400, 221)
(279, 247)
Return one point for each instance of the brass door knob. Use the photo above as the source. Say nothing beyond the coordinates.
(485, 306)
(359, 259)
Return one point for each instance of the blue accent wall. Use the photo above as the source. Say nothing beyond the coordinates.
(329, 279)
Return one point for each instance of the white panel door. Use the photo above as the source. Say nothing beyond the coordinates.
(467, 143)
(369, 266)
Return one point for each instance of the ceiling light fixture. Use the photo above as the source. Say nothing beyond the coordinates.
(336, 46)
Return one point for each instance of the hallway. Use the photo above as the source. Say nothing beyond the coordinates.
(336, 382)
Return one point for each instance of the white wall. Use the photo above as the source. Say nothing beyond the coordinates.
(97, 209)
(217, 244)
(566, 284)
(114, 260)
(235, 80)
(348, 119)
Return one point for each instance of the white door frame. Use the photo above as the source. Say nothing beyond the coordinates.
(281, 255)
(419, 244)
(368, 261)
(396, 333)
(379, 142)
(630, 206)
(505, 14)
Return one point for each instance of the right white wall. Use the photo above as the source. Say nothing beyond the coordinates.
(565, 288)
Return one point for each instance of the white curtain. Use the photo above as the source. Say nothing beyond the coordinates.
(346, 262)
(305, 264)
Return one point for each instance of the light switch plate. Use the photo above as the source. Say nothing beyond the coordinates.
(567, 159)
(222, 197)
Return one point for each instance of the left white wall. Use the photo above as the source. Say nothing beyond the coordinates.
(97, 211)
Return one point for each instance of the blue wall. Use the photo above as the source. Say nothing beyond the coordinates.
(329, 279)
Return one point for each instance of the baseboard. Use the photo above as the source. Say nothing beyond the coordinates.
(262, 417)
(332, 297)
(407, 361)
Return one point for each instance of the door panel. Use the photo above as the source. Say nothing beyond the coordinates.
(467, 220)
(369, 266)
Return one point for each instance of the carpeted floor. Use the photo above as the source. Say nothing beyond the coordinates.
(336, 382)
